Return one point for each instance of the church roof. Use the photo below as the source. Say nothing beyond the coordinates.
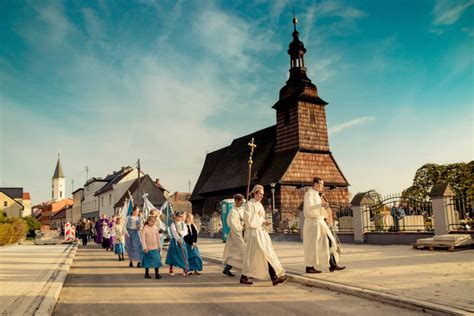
(231, 170)
(210, 163)
(58, 172)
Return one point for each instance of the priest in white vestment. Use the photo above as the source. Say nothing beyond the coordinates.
(235, 245)
(260, 260)
(320, 247)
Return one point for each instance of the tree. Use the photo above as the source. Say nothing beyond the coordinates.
(459, 176)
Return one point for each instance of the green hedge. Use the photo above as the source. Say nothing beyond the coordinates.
(12, 230)
(33, 224)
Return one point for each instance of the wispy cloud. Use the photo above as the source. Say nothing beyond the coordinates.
(350, 124)
(129, 102)
(448, 12)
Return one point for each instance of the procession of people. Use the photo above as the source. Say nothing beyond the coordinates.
(248, 246)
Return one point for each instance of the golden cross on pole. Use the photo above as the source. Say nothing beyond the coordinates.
(252, 146)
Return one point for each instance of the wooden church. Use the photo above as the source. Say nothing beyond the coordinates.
(288, 155)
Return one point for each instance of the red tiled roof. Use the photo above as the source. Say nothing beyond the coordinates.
(26, 196)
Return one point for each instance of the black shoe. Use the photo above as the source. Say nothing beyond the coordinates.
(282, 279)
(147, 276)
(227, 272)
(336, 268)
(157, 276)
(130, 264)
(245, 280)
(138, 265)
(312, 270)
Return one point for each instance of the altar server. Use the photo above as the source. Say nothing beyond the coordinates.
(260, 260)
(235, 245)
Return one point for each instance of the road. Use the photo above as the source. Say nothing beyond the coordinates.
(99, 284)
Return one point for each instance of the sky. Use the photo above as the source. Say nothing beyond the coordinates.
(108, 82)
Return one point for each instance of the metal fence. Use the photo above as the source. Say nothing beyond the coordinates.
(460, 213)
(396, 213)
(286, 221)
(342, 217)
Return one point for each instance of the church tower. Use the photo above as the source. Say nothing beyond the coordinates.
(301, 113)
(59, 182)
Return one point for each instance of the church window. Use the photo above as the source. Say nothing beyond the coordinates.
(110, 198)
(102, 201)
(287, 117)
(312, 116)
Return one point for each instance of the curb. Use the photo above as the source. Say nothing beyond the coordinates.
(55, 282)
(404, 302)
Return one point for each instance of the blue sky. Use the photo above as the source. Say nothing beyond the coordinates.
(167, 81)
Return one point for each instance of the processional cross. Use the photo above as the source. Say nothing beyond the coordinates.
(252, 146)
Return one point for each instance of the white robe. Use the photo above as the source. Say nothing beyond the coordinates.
(259, 250)
(316, 232)
(235, 245)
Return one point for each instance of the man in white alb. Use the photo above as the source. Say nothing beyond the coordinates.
(235, 245)
(318, 241)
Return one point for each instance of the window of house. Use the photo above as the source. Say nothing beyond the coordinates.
(110, 198)
(102, 201)
(5, 203)
(60, 194)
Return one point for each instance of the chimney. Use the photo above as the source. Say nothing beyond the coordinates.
(157, 181)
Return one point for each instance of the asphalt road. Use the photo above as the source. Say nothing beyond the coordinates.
(99, 284)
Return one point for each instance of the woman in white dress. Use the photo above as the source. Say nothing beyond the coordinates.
(260, 260)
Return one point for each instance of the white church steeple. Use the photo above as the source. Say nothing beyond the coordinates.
(59, 182)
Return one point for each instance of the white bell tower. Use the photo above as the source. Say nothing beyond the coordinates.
(59, 182)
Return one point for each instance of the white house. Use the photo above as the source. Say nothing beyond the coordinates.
(118, 184)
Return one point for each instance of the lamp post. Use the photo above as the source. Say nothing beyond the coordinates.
(273, 206)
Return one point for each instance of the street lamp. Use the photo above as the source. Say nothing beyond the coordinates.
(273, 206)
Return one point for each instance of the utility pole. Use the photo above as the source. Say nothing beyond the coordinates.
(138, 167)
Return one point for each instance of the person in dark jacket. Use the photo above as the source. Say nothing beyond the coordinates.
(194, 257)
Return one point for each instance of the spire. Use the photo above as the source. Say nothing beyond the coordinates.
(298, 84)
(58, 172)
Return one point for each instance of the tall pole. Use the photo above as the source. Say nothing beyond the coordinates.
(87, 173)
(138, 167)
(252, 146)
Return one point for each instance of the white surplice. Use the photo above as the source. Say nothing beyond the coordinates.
(259, 249)
(235, 245)
(316, 232)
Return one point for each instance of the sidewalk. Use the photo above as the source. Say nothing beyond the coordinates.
(435, 280)
(32, 277)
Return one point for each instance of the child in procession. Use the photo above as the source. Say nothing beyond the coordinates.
(194, 257)
(177, 254)
(119, 238)
(150, 238)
